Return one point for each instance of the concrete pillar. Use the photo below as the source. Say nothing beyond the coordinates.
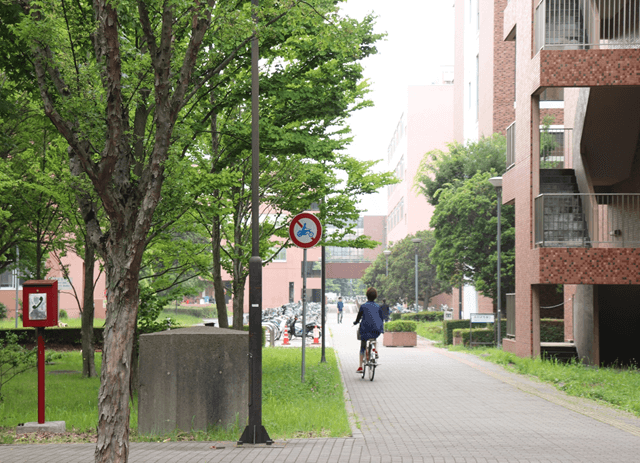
(585, 324)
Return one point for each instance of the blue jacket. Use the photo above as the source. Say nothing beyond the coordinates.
(371, 325)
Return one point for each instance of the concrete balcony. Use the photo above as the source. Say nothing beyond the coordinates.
(587, 25)
(587, 43)
(587, 220)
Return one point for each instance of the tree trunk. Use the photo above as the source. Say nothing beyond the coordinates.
(216, 271)
(114, 396)
(238, 295)
(88, 348)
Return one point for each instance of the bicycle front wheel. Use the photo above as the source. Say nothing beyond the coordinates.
(364, 369)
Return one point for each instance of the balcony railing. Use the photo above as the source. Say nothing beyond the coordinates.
(586, 24)
(610, 220)
(555, 148)
(511, 145)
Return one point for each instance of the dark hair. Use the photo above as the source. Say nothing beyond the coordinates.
(372, 294)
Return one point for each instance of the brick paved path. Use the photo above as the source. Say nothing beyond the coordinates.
(425, 404)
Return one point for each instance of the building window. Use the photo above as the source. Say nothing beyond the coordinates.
(281, 256)
(8, 280)
(477, 85)
(552, 94)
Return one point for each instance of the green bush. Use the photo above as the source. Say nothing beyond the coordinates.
(479, 334)
(428, 316)
(67, 336)
(551, 330)
(401, 325)
(449, 326)
(396, 316)
(3, 311)
(62, 315)
(199, 312)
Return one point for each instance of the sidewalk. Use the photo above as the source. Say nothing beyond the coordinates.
(424, 405)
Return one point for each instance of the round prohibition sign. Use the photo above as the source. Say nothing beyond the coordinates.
(305, 230)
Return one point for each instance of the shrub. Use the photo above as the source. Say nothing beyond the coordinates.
(3, 311)
(67, 336)
(62, 315)
(551, 330)
(427, 316)
(479, 334)
(401, 325)
(449, 326)
(396, 316)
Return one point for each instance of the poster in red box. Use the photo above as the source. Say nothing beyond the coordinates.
(40, 303)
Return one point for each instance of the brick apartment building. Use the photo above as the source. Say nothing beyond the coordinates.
(576, 186)
(483, 97)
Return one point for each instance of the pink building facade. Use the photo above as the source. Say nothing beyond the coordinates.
(591, 249)
(426, 124)
(70, 289)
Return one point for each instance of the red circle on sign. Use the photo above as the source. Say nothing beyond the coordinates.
(305, 230)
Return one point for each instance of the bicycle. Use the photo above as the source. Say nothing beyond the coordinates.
(370, 361)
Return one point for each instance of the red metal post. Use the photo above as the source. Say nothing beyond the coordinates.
(40, 332)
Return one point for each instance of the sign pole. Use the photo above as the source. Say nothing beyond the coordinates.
(40, 338)
(305, 232)
(304, 310)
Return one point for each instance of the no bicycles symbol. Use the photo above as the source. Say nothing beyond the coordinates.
(305, 230)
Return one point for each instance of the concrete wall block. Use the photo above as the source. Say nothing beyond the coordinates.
(191, 378)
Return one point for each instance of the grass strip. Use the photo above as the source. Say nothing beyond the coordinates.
(615, 386)
(290, 408)
(430, 330)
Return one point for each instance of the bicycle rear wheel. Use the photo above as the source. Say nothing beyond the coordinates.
(372, 371)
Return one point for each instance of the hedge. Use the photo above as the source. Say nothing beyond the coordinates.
(396, 316)
(551, 330)
(479, 335)
(67, 336)
(199, 312)
(449, 326)
(428, 316)
(401, 325)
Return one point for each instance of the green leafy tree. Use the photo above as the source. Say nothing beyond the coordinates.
(465, 224)
(441, 169)
(399, 285)
(122, 90)
(302, 136)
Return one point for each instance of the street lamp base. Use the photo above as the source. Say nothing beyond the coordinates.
(255, 434)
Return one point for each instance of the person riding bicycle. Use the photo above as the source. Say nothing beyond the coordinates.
(371, 326)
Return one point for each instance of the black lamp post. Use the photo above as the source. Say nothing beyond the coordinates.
(497, 184)
(255, 433)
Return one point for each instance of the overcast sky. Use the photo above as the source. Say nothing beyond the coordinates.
(419, 40)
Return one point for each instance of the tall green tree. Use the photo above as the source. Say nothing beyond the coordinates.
(465, 223)
(308, 88)
(441, 169)
(121, 82)
(399, 285)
